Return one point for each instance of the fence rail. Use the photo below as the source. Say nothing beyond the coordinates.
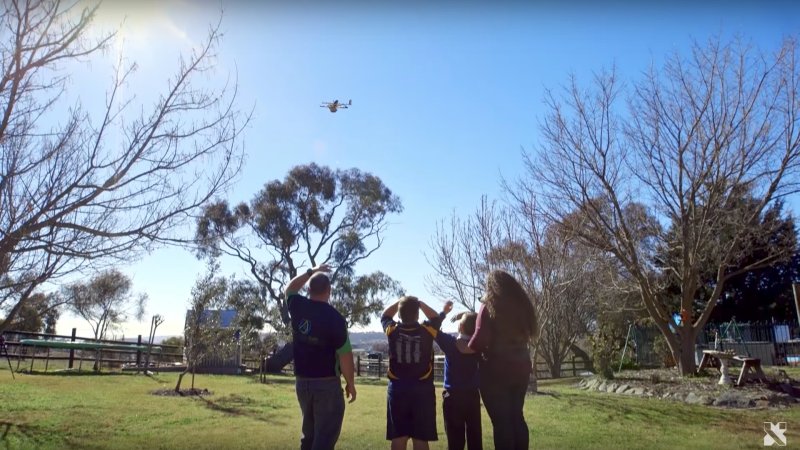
(377, 367)
(116, 358)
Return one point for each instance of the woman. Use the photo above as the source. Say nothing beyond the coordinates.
(506, 324)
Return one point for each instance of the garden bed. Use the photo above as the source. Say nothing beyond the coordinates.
(780, 391)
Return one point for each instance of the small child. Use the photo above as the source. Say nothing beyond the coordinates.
(411, 398)
(461, 404)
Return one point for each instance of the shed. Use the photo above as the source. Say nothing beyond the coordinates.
(228, 362)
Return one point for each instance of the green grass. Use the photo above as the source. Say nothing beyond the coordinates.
(118, 411)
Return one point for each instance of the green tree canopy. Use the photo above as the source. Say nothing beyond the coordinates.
(314, 215)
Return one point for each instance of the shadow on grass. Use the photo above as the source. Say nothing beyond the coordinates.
(72, 373)
(273, 378)
(541, 393)
(237, 406)
(27, 436)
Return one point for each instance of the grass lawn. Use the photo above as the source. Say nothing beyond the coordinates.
(117, 411)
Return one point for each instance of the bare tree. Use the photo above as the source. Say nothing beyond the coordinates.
(555, 270)
(460, 253)
(665, 175)
(516, 238)
(77, 188)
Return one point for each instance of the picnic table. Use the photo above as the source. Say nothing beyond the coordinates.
(750, 371)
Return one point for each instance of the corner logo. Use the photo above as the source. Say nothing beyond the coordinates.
(305, 327)
(775, 434)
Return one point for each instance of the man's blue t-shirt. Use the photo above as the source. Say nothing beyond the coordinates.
(319, 333)
(411, 350)
(460, 369)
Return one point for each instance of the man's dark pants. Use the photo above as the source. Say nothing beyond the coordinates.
(322, 405)
(461, 409)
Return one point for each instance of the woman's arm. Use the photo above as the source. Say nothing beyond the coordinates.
(482, 336)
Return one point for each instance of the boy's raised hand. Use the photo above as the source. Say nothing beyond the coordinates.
(448, 306)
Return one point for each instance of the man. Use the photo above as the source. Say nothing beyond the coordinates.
(322, 353)
(411, 399)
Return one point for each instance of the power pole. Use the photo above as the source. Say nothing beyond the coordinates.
(796, 292)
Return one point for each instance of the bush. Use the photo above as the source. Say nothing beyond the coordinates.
(603, 350)
(661, 349)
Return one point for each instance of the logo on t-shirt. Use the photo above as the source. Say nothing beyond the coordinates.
(305, 327)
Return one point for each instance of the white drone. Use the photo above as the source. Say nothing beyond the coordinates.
(335, 105)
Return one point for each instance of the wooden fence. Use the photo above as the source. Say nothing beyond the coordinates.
(173, 356)
(377, 367)
(117, 358)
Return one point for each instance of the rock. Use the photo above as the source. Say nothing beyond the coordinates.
(762, 403)
(602, 386)
(694, 399)
(787, 388)
(611, 387)
(637, 391)
(593, 383)
(622, 388)
(732, 399)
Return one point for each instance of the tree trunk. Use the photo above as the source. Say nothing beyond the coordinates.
(533, 381)
(555, 369)
(587, 360)
(180, 378)
(685, 357)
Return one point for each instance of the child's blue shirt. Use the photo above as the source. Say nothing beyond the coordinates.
(460, 369)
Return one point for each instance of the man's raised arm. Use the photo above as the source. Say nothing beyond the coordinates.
(300, 280)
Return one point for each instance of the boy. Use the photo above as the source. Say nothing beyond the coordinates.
(411, 400)
(461, 399)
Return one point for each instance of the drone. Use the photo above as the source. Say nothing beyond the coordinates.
(335, 105)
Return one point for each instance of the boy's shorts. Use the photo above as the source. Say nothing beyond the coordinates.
(411, 411)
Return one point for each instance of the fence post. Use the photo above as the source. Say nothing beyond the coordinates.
(358, 365)
(72, 350)
(139, 353)
(574, 372)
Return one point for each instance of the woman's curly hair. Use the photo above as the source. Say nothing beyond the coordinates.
(510, 308)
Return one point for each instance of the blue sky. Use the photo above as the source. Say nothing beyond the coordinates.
(444, 98)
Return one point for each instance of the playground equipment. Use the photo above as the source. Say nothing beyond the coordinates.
(4, 352)
(98, 346)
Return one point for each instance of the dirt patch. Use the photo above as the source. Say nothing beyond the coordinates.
(182, 392)
(780, 391)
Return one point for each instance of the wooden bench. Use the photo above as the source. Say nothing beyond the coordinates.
(751, 370)
(751, 367)
(718, 359)
(709, 360)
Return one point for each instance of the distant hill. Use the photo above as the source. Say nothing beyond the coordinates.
(362, 339)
